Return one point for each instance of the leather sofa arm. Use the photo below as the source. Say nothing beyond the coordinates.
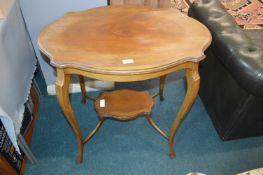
(242, 56)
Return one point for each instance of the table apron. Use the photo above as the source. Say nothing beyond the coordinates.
(127, 77)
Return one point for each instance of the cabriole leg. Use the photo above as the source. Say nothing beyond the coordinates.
(193, 81)
(62, 87)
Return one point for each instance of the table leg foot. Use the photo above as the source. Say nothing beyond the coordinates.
(80, 154)
(62, 87)
(193, 81)
(172, 155)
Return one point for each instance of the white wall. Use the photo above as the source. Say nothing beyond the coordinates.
(39, 13)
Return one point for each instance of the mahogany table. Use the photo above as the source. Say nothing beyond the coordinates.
(124, 44)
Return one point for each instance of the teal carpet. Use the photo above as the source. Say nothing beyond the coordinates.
(134, 148)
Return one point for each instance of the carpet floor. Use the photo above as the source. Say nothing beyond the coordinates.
(134, 148)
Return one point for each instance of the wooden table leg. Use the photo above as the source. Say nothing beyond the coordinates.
(162, 82)
(83, 88)
(62, 87)
(193, 81)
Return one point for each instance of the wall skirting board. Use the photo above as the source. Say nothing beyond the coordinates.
(90, 86)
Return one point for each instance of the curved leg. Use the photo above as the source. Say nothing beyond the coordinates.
(93, 132)
(62, 86)
(83, 88)
(150, 120)
(162, 82)
(193, 81)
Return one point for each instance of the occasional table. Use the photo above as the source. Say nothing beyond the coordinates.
(124, 44)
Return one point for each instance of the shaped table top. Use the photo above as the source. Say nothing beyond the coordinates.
(124, 39)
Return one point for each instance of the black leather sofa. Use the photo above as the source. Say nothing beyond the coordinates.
(232, 74)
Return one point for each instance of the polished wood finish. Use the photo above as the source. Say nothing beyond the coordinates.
(152, 3)
(98, 40)
(93, 44)
(124, 104)
(62, 90)
(193, 80)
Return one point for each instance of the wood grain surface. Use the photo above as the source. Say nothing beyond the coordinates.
(94, 43)
(124, 104)
(98, 40)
